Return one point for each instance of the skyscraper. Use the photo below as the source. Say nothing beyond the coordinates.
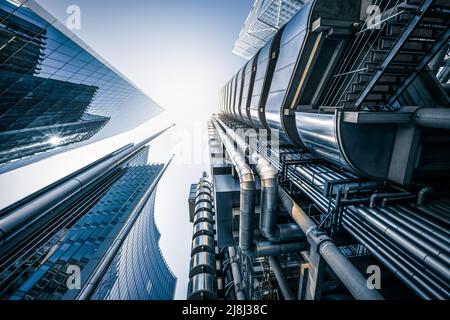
(54, 90)
(91, 235)
(330, 162)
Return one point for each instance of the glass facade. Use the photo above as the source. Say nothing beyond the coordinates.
(139, 271)
(54, 90)
(80, 236)
(264, 20)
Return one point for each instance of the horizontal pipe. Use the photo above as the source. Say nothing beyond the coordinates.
(29, 212)
(395, 216)
(433, 118)
(375, 249)
(267, 248)
(352, 279)
(397, 261)
(433, 258)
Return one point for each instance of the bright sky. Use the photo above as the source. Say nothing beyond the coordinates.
(179, 53)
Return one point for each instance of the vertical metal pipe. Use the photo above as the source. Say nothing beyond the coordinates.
(342, 267)
(236, 271)
(269, 184)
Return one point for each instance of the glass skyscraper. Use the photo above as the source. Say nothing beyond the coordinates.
(139, 271)
(54, 90)
(101, 238)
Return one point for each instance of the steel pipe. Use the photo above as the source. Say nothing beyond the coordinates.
(433, 118)
(236, 271)
(352, 279)
(397, 261)
(421, 249)
(247, 205)
(282, 281)
(269, 183)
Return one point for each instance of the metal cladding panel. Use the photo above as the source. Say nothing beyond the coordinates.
(202, 286)
(203, 190)
(203, 216)
(203, 228)
(203, 206)
(203, 198)
(202, 243)
(239, 85)
(318, 133)
(202, 262)
(291, 44)
(247, 89)
(348, 145)
(234, 88)
(262, 64)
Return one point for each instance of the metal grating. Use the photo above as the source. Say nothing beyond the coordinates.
(264, 20)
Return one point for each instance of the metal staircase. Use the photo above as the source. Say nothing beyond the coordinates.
(410, 34)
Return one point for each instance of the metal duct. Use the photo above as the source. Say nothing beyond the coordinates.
(268, 248)
(203, 282)
(202, 286)
(203, 198)
(202, 243)
(282, 281)
(16, 220)
(203, 190)
(203, 216)
(269, 185)
(203, 206)
(203, 228)
(202, 262)
(247, 193)
(247, 204)
(434, 258)
(353, 280)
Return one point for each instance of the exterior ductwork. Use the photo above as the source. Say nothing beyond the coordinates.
(269, 184)
(237, 277)
(203, 282)
(16, 220)
(203, 228)
(282, 281)
(203, 243)
(247, 205)
(343, 268)
(427, 249)
(202, 287)
(433, 118)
